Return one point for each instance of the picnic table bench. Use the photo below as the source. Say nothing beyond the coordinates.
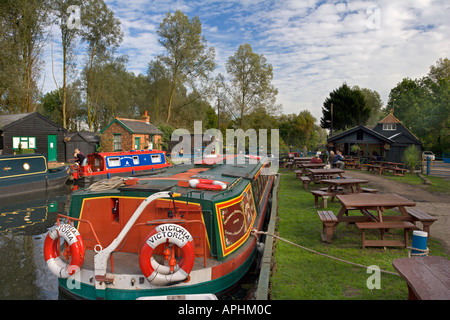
(418, 215)
(324, 195)
(305, 181)
(427, 278)
(329, 222)
(382, 226)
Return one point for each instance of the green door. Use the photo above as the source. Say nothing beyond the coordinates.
(52, 149)
(137, 143)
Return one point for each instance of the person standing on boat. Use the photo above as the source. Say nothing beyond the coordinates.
(80, 158)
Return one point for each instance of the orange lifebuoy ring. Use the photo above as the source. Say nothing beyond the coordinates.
(161, 275)
(206, 184)
(52, 256)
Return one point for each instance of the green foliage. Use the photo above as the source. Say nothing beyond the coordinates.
(422, 106)
(411, 157)
(248, 85)
(187, 59)
(348, 106)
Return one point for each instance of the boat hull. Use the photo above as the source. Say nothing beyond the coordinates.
(26, 174)
(80, 290)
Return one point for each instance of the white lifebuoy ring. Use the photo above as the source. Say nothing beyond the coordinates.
(207, 184)
(161, 275)
(51, 253)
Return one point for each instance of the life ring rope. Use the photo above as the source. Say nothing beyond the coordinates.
(161, 275)
(51, 251)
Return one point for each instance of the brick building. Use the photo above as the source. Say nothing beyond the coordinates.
(130, 134)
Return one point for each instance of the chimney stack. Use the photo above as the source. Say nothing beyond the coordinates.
(146, 117)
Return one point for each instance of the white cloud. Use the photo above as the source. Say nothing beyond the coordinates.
(314, 46)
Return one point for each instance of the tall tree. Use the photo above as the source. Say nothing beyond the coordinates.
(348, 106)
(249, 83)
(64, 10)
(25, 23)
(101, 31)
(188, 60)
(374, 103)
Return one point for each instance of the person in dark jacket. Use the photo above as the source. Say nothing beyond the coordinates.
(79, 157)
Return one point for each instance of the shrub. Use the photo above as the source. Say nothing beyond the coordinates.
(411, 157)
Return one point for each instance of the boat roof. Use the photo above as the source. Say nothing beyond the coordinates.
(127, 153)
(176, 178)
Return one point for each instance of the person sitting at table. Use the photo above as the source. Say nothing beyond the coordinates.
(331, 157)
(338, 160)
(316, 159)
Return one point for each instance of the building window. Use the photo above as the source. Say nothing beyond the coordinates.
(117, 140)
(359, 135)
(389, 126)
(24, 143)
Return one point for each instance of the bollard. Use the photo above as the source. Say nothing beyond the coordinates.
(419, 241)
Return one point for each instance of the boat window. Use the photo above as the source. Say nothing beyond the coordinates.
(113, 162)
(156, 158)
(135, 160)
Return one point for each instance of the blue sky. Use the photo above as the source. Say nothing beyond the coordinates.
(313, 46)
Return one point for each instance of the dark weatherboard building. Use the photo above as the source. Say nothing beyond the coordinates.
(32, 133)
(387, 141)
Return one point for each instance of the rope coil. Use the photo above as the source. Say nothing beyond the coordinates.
(423, 253)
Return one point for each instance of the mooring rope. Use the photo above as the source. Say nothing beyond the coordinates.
(254, 232)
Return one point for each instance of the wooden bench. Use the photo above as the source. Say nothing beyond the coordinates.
(382, 226)
(321, 194)
(298, 173)
(330, 222)
(306, 182)
(426, 219)
(428, 278)
(369, 190)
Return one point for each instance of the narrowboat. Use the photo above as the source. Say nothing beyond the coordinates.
(107, 164)
(183, 232)
(20, 174)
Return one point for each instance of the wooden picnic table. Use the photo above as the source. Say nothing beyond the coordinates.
(396, 168)
(428, 278)
(376, 202)
(319, 174)
(348, 185)
(307, 165)
(364, 202)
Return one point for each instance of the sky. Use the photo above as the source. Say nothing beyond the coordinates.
(314, 46)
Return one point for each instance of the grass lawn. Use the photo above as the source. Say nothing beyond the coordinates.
(299, 274)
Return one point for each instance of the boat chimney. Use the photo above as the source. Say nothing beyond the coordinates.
(146, 117)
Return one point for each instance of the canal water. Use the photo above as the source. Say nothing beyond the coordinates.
(24, 223)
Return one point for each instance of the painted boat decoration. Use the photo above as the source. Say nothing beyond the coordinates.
(163, 235)
(21, 174)
(107, 164)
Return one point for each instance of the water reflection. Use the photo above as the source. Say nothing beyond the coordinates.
(24, 222)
